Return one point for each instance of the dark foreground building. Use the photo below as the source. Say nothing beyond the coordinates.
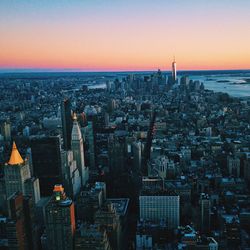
(46, 158)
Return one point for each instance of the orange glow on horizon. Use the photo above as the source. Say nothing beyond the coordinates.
(181, 65)
(89, 36)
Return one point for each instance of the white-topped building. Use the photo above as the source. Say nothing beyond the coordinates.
(78, 151)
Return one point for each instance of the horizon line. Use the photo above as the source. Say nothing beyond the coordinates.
(77, 70)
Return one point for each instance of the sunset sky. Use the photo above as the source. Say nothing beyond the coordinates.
(108, 35)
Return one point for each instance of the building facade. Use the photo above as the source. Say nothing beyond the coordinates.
(78, 151)
(66, 123)
(160, 207)
(60, 221)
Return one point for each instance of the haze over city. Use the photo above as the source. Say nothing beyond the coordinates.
(95, 35)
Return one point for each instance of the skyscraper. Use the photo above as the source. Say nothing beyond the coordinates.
(60, 220)
(158, 204)
(16, 172)
(46, 159)
(233, 165)
(108, 218)
(17, 178)
(174, 74)
(117, 152)
(16, 234)
(66, 123)
(137, 155)
(6, 130)
(31, 229)
(204, 212)
(71, 174)
(78, 151)
(90, 140)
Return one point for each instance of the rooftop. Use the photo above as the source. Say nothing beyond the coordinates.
(15, 157)
(120, 205)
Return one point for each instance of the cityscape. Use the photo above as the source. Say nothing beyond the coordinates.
(121, 156)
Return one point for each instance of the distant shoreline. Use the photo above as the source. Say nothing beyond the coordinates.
(211, 78)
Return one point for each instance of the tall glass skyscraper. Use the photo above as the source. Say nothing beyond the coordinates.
(174, 73)
(46, 159)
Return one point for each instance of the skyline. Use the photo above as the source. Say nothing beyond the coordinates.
(124, 36)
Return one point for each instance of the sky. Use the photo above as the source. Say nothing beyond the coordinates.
(116, 35)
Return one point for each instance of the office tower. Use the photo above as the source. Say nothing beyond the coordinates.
(117, 149)
(106, 119)
(112, 105)
(26, 131)
(46, 159)
(197, 85)
(78, 151)
(70, 173)
(137, 155)
(16, 172)
(83, 123)
(159, 77)
(174, 73)
(121, 206)
(60, 220)
(204, 212)
(90, 139)
(89, 200)
(109, 86)
(147, 150)
(31, 229)
(155, 85)
(6, 130)
(91, 237)
(90, 135)
(184, 81)
(16, 234)
(32, 188)
(186, 154)
(66, 123)
(108, 218)
(233, 165)
(160, 207)
(158, 204)
(169, 82)
(17, 178)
